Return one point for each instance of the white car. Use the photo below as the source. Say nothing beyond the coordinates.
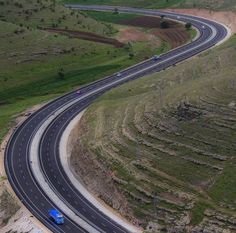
(156, 57)
(118, 74)
(203, 26)
(78, 91)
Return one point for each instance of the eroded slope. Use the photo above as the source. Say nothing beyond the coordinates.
(161, 150)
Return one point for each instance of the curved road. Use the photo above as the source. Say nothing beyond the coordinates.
(17, 156)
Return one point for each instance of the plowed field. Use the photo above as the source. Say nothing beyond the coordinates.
(87, 36)
(175, 35)
(147, 22)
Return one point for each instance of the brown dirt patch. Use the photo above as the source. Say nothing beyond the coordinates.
(87, 36)
(132, 34)
(137, 35)
(226, 17)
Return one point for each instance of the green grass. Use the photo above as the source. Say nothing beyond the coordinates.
(193, 33)
(110, 17)
(224, 189)
(197, 213)
(41, 14)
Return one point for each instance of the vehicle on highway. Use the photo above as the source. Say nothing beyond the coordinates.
(78, 91)
(156, 57)
(56, 216)
(118, 74)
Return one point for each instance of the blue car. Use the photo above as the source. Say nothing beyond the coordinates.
(56, 216)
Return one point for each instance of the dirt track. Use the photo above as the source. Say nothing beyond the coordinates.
(87, 36)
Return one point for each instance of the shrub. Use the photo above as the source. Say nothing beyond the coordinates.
(165, 24)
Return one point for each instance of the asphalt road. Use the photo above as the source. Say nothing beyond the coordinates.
(17, 158)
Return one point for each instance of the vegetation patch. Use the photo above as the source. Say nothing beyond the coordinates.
(8, 206)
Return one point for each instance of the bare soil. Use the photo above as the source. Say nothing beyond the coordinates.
(147, 22)
(87, 36)
(175, 35)
(137, 35)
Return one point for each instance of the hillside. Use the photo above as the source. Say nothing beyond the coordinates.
(43, 13)
(47, 49)
(32, 59)
(165, 146)
(211, 4)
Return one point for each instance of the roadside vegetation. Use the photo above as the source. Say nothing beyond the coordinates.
(137, 3)
(164, 146)
(8, 205)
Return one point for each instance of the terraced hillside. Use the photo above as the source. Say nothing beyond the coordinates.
(161, 150)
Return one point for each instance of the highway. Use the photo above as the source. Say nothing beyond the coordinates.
(61, 111)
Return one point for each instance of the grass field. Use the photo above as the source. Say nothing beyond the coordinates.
(210, 4)
(110, 17)
(167, 142)
(31, 59)
(30, 62)
(39, 14)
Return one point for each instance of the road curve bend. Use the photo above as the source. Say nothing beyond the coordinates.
(48, 124)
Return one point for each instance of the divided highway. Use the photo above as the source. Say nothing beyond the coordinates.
(61, 111)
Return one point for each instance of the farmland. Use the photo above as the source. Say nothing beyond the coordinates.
(165, 146)
(174, 35)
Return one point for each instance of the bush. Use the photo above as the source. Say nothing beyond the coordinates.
(61, 74)
(188, 26)
(165, 24)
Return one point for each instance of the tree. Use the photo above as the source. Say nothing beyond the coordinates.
(116, 11)
(61, 73)
(188, 26)
(165, 24)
